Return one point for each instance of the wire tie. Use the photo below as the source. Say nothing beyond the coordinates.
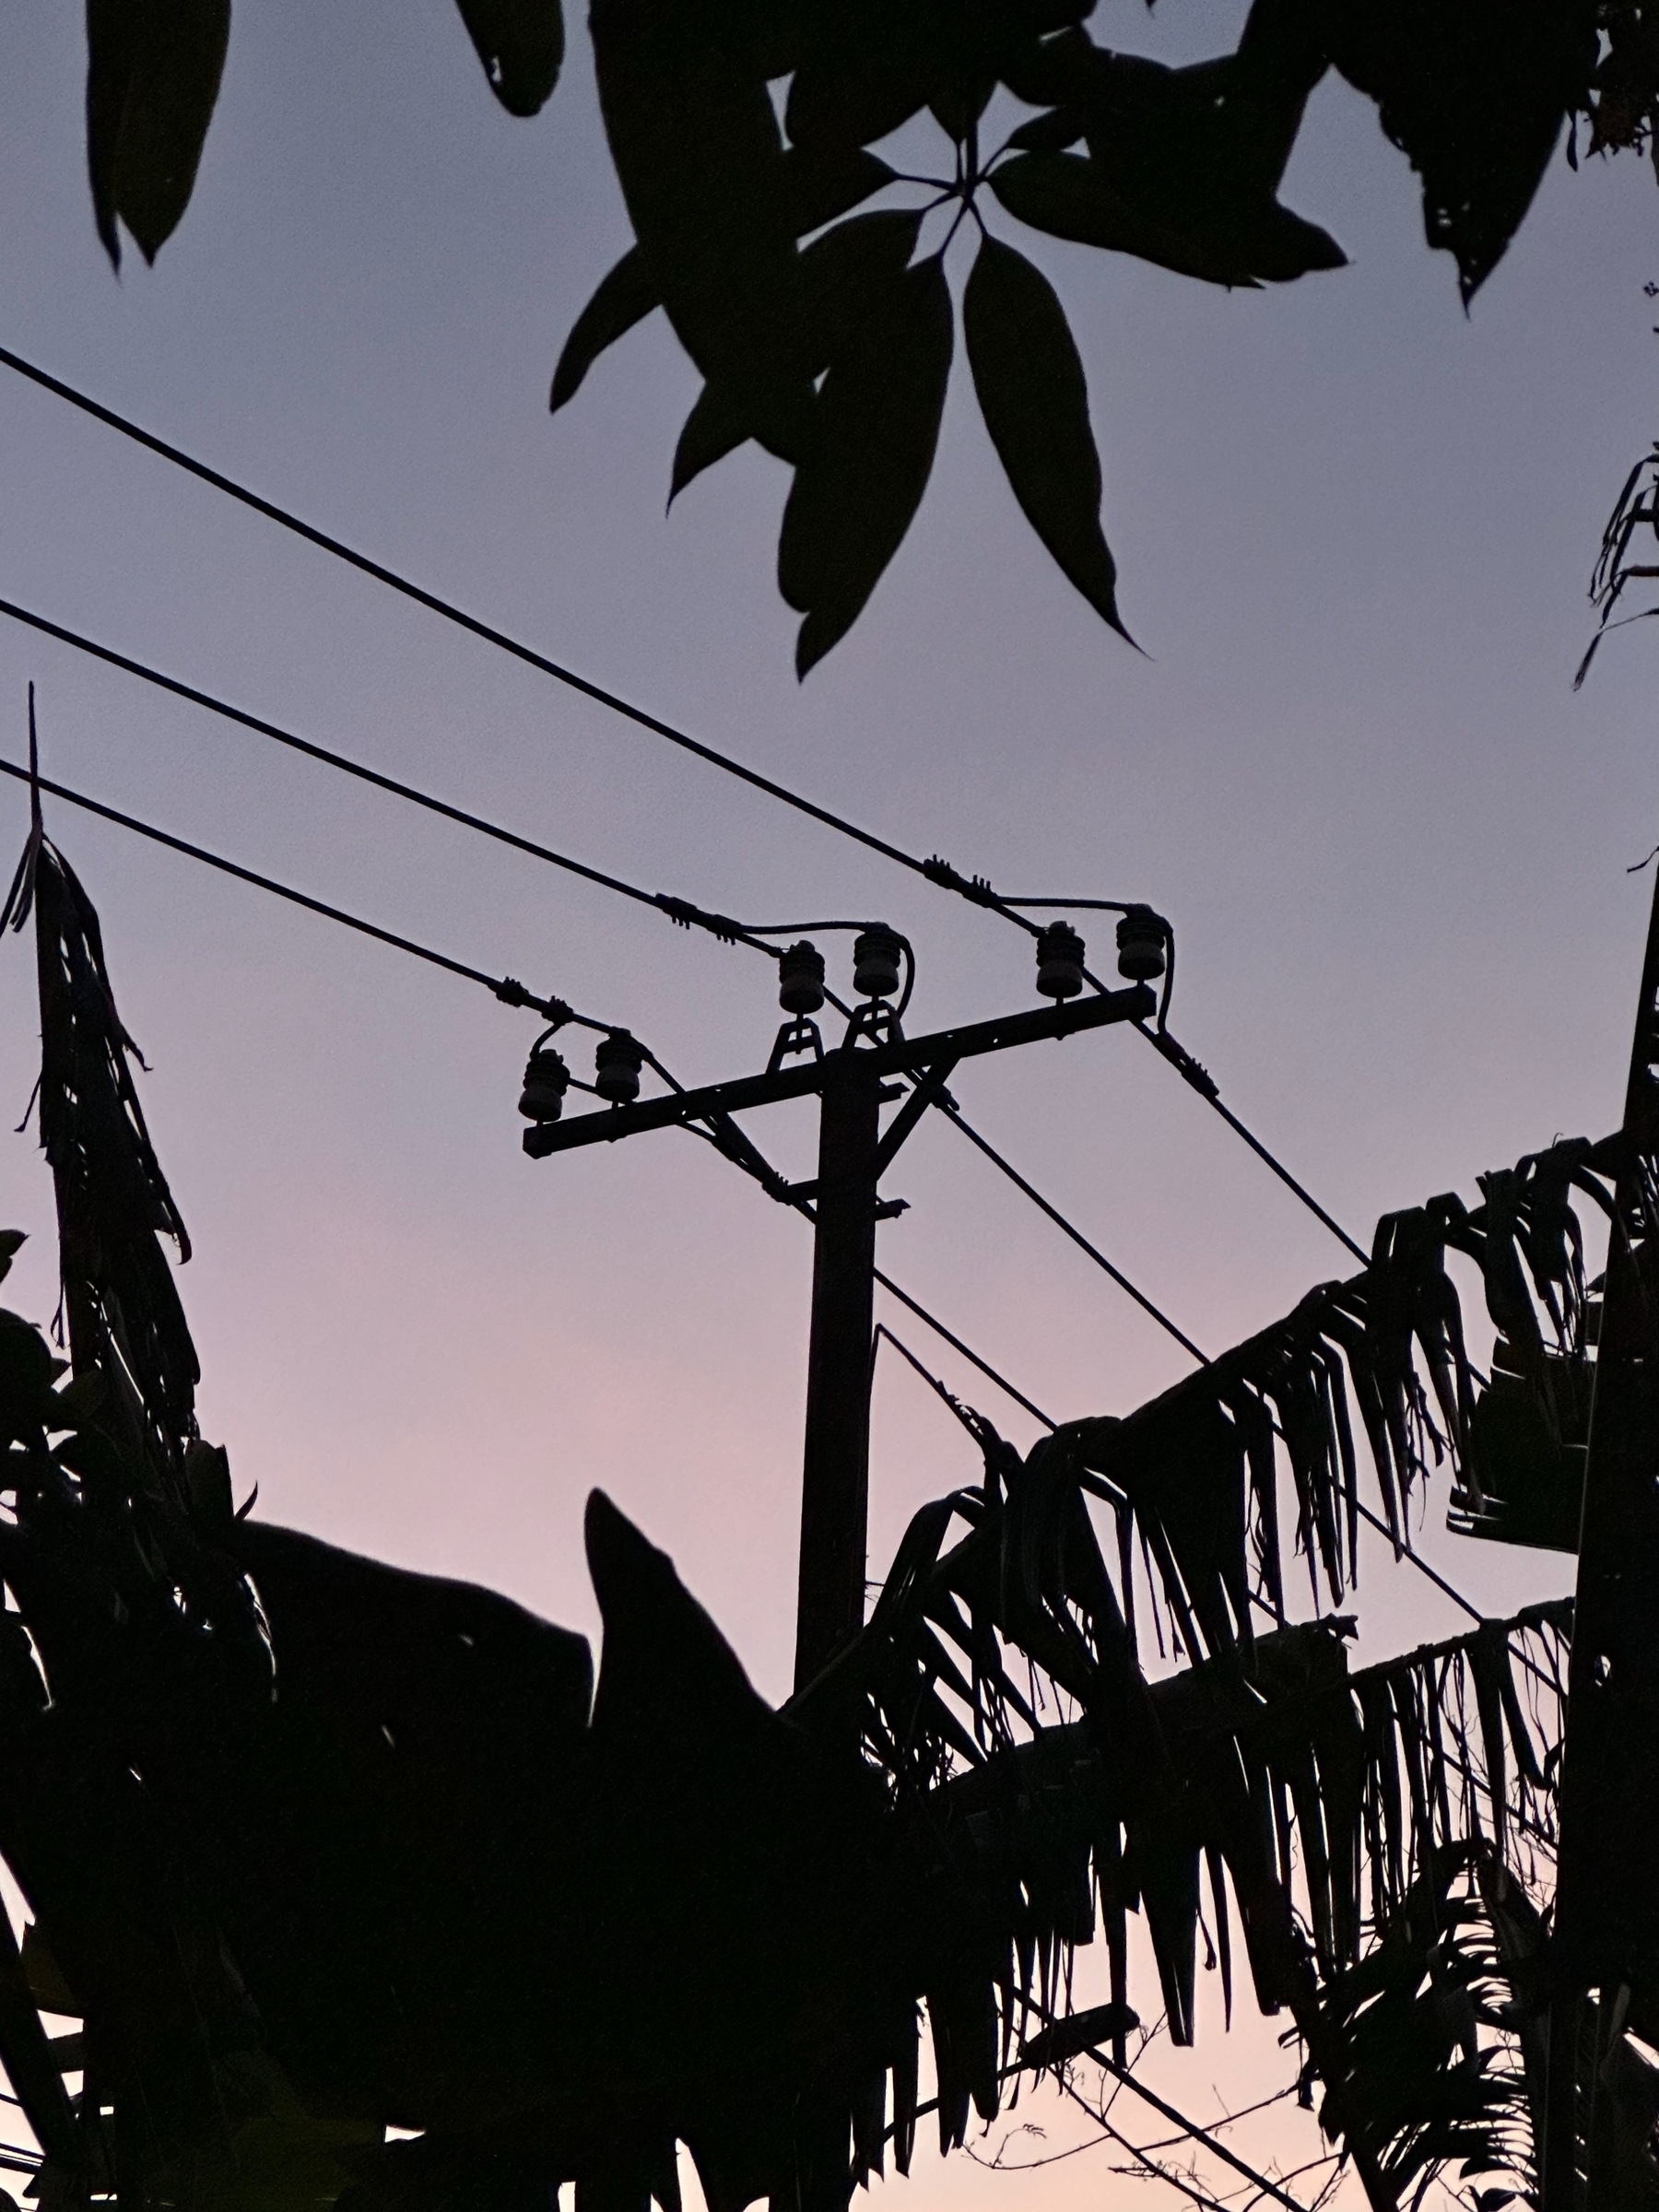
(1178, 1058)
(512, 993)
(977, 888)
(685, 916)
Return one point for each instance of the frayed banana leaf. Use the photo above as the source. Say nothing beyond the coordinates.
(118, 1297)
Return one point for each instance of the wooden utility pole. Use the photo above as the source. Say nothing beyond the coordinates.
(835, 1478)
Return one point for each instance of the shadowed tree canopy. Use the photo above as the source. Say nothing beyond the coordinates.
(804, 272)
(315, 1847)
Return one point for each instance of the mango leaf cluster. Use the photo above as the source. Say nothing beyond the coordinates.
(800, 174)
(745, 138)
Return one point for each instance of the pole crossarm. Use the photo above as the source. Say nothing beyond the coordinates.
(903, 1057)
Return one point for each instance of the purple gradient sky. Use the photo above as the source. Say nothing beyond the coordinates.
(1354, 527)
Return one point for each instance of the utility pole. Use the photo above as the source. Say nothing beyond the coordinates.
(835, 1476)
(1606, 1935)
(875, 1064)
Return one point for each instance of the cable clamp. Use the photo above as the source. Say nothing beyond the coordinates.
(512, 993)
(977, 888)
(1178, 1058)
(684, 916)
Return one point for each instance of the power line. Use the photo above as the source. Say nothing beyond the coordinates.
(977, 889)
(957, 1345)
(506, 989)
(514, 994)
(680, 910)
(451, 613)
(743, 1153)
(953, 1116)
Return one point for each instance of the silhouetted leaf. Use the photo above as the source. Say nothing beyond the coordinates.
(1183, 164)
(1051, 133)
(716, 426)
(1475, 93)
(77, 1401)
(11, 1242)
(842, 270)
(839, 270)
(700, 162)
(820, 182)
(863, 74)
(1067, 196)
(520, 44)
(27, 1367)
(1035, 402)
(861, 481)
(153, 70)
(625, 296)
(1071, 2037)
(826, 181)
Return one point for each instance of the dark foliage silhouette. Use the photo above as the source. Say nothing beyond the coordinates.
(742, 135)
(315, 1847)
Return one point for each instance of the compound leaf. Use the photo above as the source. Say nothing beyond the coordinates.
(1031, 390)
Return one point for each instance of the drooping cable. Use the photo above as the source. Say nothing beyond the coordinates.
(505, 988)
(557, 1012)
(511, 993)
(680, 910)
(450, 612)
(934, 869)
(953, 1116)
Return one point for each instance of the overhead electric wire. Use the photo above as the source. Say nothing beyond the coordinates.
(505, 988)
(977, 889)
(957, 1345)
(953, 1116)
(512, 993)
(1285, 1176)
(677, 910)
(449, 611)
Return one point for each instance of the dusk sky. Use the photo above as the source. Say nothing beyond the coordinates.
(1354, 528)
